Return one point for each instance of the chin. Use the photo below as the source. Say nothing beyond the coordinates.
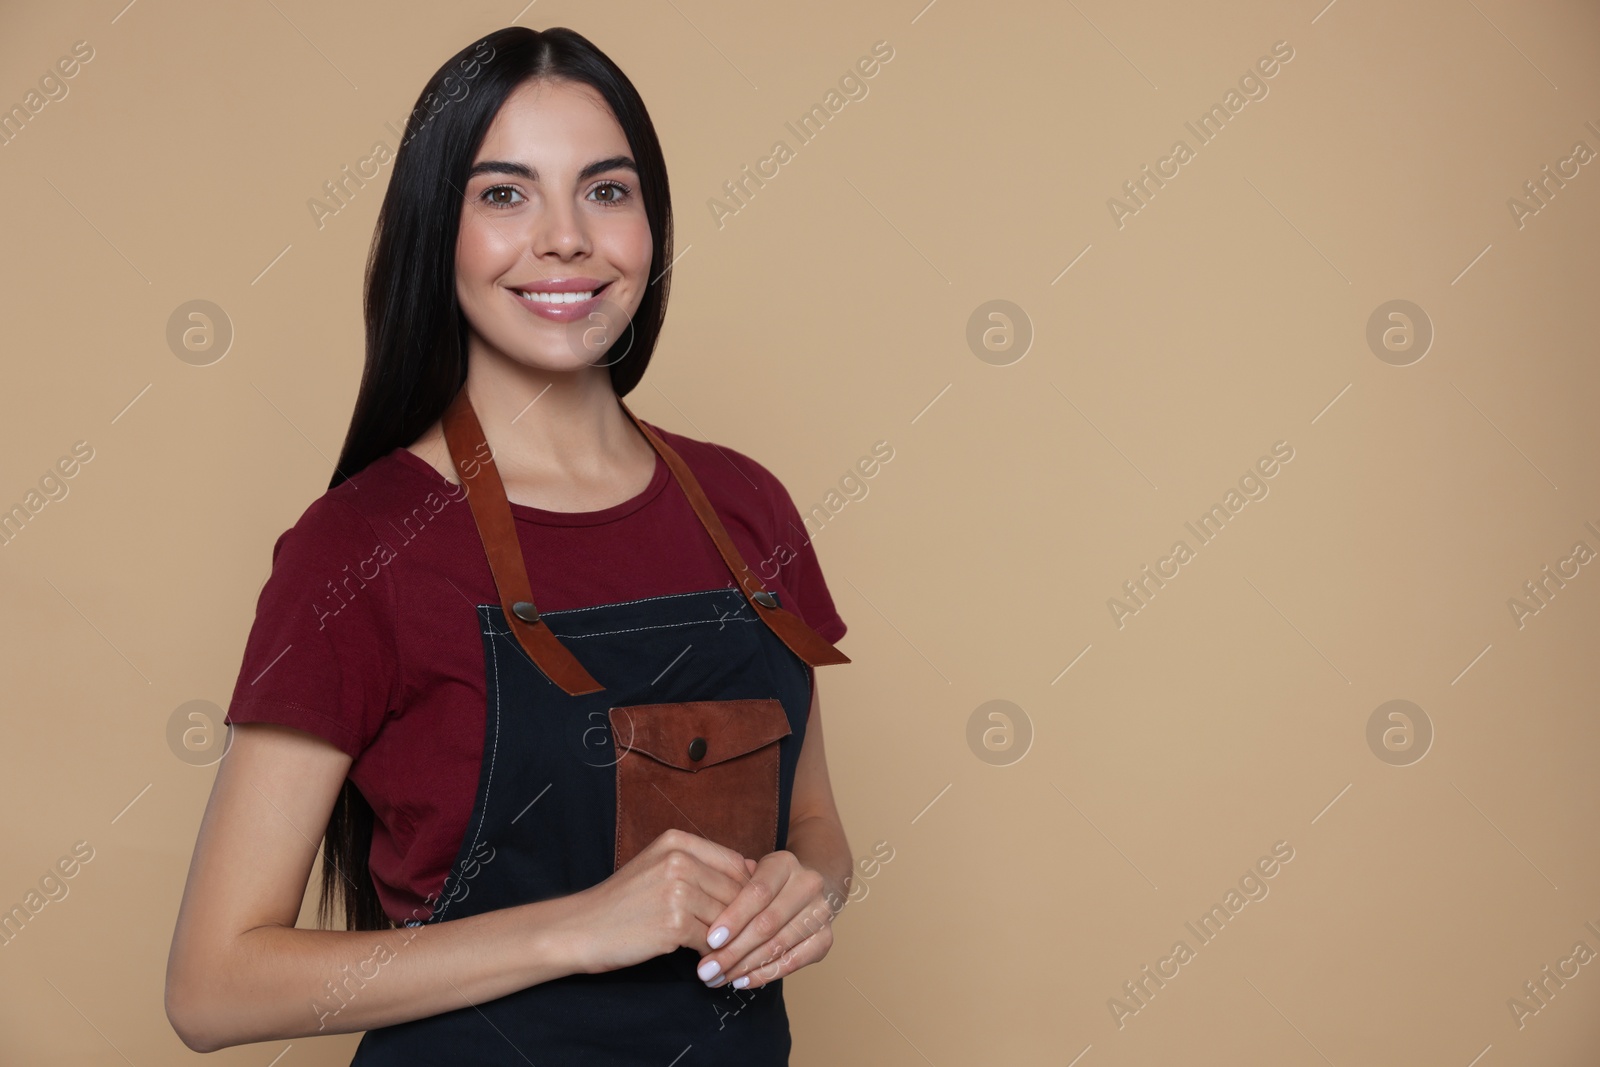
(561, 361)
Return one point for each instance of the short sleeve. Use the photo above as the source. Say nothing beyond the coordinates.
(321, 655)
(800, 572)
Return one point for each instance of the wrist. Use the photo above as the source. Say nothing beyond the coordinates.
(561, 940)
(836, 891)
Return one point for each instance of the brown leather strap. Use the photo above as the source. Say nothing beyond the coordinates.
(491, 512)
(802, 640)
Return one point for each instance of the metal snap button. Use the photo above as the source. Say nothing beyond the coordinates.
(765, 598)
(697, 748)
(524, 610)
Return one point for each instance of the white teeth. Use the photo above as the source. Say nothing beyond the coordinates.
(556, 298)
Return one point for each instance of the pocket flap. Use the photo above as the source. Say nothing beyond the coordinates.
(716, 730)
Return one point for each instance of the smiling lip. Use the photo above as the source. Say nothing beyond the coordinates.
(562, 310)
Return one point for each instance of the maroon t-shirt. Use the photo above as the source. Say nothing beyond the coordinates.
(366, 632)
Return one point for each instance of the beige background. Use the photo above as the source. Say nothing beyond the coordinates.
(832, 312)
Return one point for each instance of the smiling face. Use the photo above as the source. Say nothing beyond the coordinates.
(554, 239)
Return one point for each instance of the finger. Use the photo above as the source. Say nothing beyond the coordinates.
(759, 891)
(807, 952)
(717, 886)
(694, 912)
(715, 856)
(767, 910)
(806, 920)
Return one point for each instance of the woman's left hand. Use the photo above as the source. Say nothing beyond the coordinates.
(780, 921)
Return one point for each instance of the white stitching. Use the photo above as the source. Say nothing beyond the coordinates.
(492, 633)
(632, 629)
(494, 751)
(641, 600)
(661, 626)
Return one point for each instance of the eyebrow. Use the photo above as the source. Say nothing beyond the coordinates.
(522, 170)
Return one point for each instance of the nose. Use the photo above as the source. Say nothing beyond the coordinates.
(560, 231)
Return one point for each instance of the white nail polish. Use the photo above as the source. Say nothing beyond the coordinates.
(741, 981)
(718, 936)
(708, 970)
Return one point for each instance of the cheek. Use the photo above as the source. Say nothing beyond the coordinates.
(626, 243)
(483, 252)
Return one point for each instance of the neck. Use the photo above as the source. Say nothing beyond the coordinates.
(550, 423)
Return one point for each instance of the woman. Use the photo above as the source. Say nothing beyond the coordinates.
(561, 738)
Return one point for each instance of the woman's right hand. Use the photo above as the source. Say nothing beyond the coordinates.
(661, 900)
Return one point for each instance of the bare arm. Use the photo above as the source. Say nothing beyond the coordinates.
(239, 971)
(816, 833)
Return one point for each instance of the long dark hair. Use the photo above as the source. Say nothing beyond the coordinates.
(416, 357)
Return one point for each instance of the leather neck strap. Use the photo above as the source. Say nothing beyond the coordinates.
(802, 640)
(491, 512)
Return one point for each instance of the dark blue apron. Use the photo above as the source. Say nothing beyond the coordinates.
(545, 821)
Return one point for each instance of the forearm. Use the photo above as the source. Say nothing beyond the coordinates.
(819, 842)
(276, 982)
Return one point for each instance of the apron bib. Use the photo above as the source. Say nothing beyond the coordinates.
(604, 726)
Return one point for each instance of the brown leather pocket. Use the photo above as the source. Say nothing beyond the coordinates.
(706, 766)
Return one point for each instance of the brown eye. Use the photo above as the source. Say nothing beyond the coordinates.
(492, 195)
(616, 190)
